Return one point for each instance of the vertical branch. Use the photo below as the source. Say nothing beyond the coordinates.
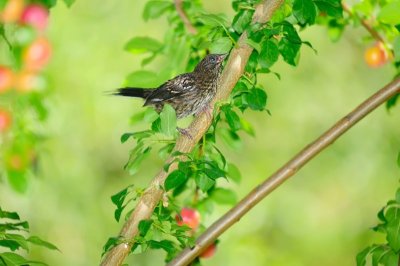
(150, 198)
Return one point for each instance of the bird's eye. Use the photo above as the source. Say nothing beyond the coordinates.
(212, 60)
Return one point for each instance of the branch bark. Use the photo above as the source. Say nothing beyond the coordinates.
(231, 74)
(185, 19)
(285, 172)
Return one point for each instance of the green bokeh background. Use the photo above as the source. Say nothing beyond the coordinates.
(320, 217)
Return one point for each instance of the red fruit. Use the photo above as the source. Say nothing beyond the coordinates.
(12, 11)
(376, 55)
(189, 217)
(37, 54)
(6, 78)
(5, 120)
(209, 251)
(35, 15)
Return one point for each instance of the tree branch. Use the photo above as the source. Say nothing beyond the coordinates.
(285, 172)
(365, 24)
(150, 198)
(185, 19)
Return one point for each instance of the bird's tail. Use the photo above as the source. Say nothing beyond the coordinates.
(133, 92)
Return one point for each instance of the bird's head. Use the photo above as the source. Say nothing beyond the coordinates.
(212, 63)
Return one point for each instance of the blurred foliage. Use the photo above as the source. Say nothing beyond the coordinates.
(322, 213)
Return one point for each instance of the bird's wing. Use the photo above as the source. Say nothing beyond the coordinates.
(176, 87)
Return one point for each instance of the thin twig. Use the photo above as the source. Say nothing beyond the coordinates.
(285, 172)
(185, 19)
(365, 24)
(233, 70)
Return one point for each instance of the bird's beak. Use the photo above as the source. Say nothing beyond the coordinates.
(222, 57)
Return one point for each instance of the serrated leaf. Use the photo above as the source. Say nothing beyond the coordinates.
(40, 242)
(269, 54)
(204, 182)
(257, 99)
(304, 11)
(221, 46)
(175, 179)
(168, 120)
(390, 13)
(154, 9)
(138, 45)
(224, 196)
(144, 226)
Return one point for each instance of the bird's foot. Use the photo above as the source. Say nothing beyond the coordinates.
(184, 132)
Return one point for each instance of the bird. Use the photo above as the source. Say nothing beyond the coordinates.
(188, 93)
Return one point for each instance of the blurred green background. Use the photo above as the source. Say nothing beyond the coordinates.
(320, 217)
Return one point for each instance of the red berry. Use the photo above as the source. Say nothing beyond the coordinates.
(5, 120)
(189, 217)
(37, 54)
(209, 251)
(12, 11)
(376, 55)
(6, 78)
(35, 15)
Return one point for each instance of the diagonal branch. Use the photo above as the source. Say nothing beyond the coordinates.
(365, 24)
(285, 172)
(150, 198)
(185, 19)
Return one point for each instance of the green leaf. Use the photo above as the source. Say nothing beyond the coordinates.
(221, 46)
(234, 173)
(204, 182)
(389, 259)
(289, 51)
(304, 11)
(393, 232)
(361, 258)
(166, 245)
(392, 101)
(12, 259)
(125, 137)
(175, 179)
(212, 20)
(111, 242)
(138, 45)
(247, 127)
(154, 9)
(150, 115)
(9, 215)
(37, 241)
(257, 99)
(142, 79)
(119, 198)
(396, 48)
(390, 13)
(242, 20)
(232, 118)
(224, 196)
(332, 8)
(168, 120)
(398, 160)
(17, 240)
(18, 180)
(398, 195)
(144, 226)
(69, 3)
(269, 54)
